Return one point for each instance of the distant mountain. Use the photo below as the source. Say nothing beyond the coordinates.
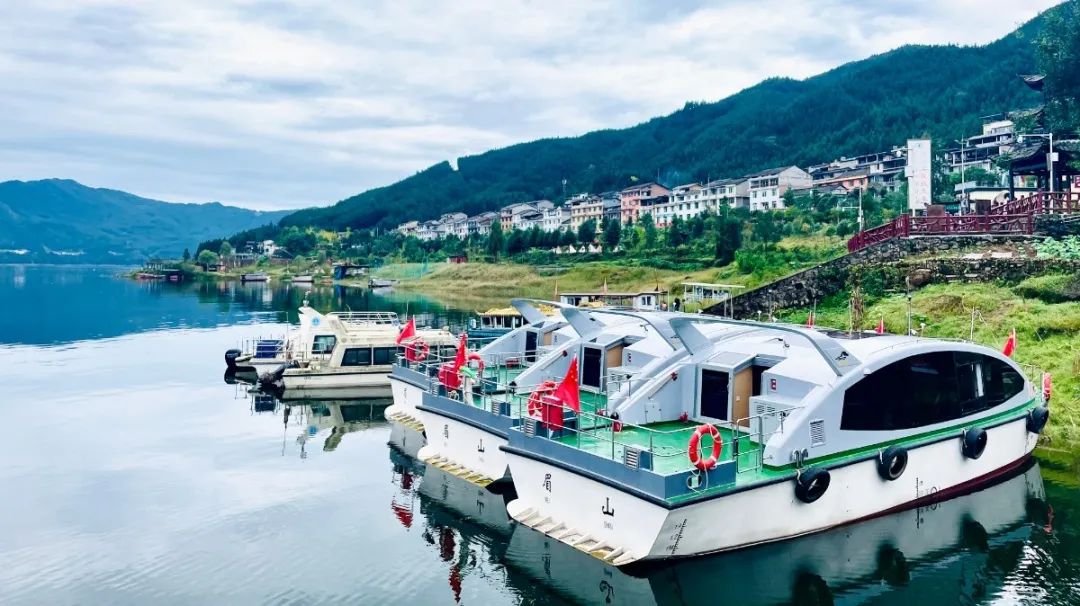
(62, 221)
(861, 107)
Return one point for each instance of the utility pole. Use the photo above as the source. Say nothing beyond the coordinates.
(963, 182)
(860, 210)
(1052, 158)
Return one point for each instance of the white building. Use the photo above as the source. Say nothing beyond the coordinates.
(768, 187)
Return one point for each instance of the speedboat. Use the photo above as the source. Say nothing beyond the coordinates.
(749, 433)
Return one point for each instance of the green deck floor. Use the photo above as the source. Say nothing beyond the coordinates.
(669, 442)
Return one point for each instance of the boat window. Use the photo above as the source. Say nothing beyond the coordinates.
(323, 344)
(927, 389)
(356, 356)
(384, 355)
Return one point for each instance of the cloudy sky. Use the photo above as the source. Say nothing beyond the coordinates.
(291, 103)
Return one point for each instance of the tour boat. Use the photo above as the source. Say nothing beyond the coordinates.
(413, 375)
(360, 357)
(467, 424)
(313, 340)
(917, 548)
(803, 430)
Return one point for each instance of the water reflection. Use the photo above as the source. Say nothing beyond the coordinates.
(967, 547)
(62, 304)
(328, 421)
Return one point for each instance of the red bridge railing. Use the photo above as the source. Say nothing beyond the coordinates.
(1012, 217)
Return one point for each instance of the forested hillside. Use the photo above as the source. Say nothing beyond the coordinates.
(860, 107)
(58, 221)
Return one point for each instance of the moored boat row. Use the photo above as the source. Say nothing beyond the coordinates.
(649, 435)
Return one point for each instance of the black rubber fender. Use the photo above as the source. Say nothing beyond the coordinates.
(1037, 419)
(892, 462)
(974, 442)
(811, 484)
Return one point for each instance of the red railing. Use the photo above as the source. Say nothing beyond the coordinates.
(1012, 217)
(1040, 203)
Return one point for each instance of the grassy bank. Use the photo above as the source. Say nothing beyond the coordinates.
(1048, 333)
(495, 282)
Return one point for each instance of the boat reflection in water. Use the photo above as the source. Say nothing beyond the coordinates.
(329, 420)
(465, 523)
(966, 546)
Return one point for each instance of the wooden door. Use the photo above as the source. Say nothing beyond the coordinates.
(741, 392)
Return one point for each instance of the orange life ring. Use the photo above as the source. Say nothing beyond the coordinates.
(695, 447)
(417, 350)
(535, 405)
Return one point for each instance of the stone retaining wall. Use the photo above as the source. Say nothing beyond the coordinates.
(805, 288)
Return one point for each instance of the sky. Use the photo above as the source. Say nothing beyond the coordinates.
(292, 103)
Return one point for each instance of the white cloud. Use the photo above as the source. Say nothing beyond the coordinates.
(291, 103)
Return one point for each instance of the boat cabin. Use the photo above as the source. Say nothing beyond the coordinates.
(650, 300)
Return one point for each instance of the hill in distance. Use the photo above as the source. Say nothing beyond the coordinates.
(861, 107)
(62, 221)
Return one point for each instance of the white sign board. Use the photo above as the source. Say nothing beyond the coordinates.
(918, 173)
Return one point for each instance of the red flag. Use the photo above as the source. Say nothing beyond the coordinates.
(568, 392)
(459, 359)
(881, 326)
(1047, 385)
(810, 319)
(1010, 344)
(408, 332)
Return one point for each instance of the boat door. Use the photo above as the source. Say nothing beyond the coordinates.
(725, 386)
(530, 345)
(713, 402)
(592, 366)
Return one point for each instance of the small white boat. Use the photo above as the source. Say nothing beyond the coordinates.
(302, 279)
(313, 340)
(359, 357)
(255, 277)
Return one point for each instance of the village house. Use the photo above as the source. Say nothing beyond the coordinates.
(584, 207)
(882, 170)
(637, 200)
(768, 187)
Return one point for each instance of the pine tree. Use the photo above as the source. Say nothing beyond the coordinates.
(495, 241)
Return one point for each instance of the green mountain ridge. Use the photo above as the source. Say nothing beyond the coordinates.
(63, 221)
(861, 107)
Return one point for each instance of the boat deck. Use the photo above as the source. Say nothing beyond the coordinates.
(668, 441)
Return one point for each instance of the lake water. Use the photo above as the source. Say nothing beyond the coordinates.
(132, 473)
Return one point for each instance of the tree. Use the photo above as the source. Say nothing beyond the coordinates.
(226, 250)
(516, 243)
(612, 233)
(676, 233)
(567, 238)
(187, 255)
(495, 241)
(728, 234)
(648, 226)
(586, 232)
(766, 230)
(1057, 50)
(207, 257)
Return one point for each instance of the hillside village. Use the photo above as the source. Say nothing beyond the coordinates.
(883, 171)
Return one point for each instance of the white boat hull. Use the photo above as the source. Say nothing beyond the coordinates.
(462, 449)
(622, 528)
(372, 384)
(407, 398)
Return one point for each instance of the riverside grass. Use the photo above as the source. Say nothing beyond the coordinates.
(1048, 334)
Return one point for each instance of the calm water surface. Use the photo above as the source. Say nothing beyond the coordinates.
(133, 474)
